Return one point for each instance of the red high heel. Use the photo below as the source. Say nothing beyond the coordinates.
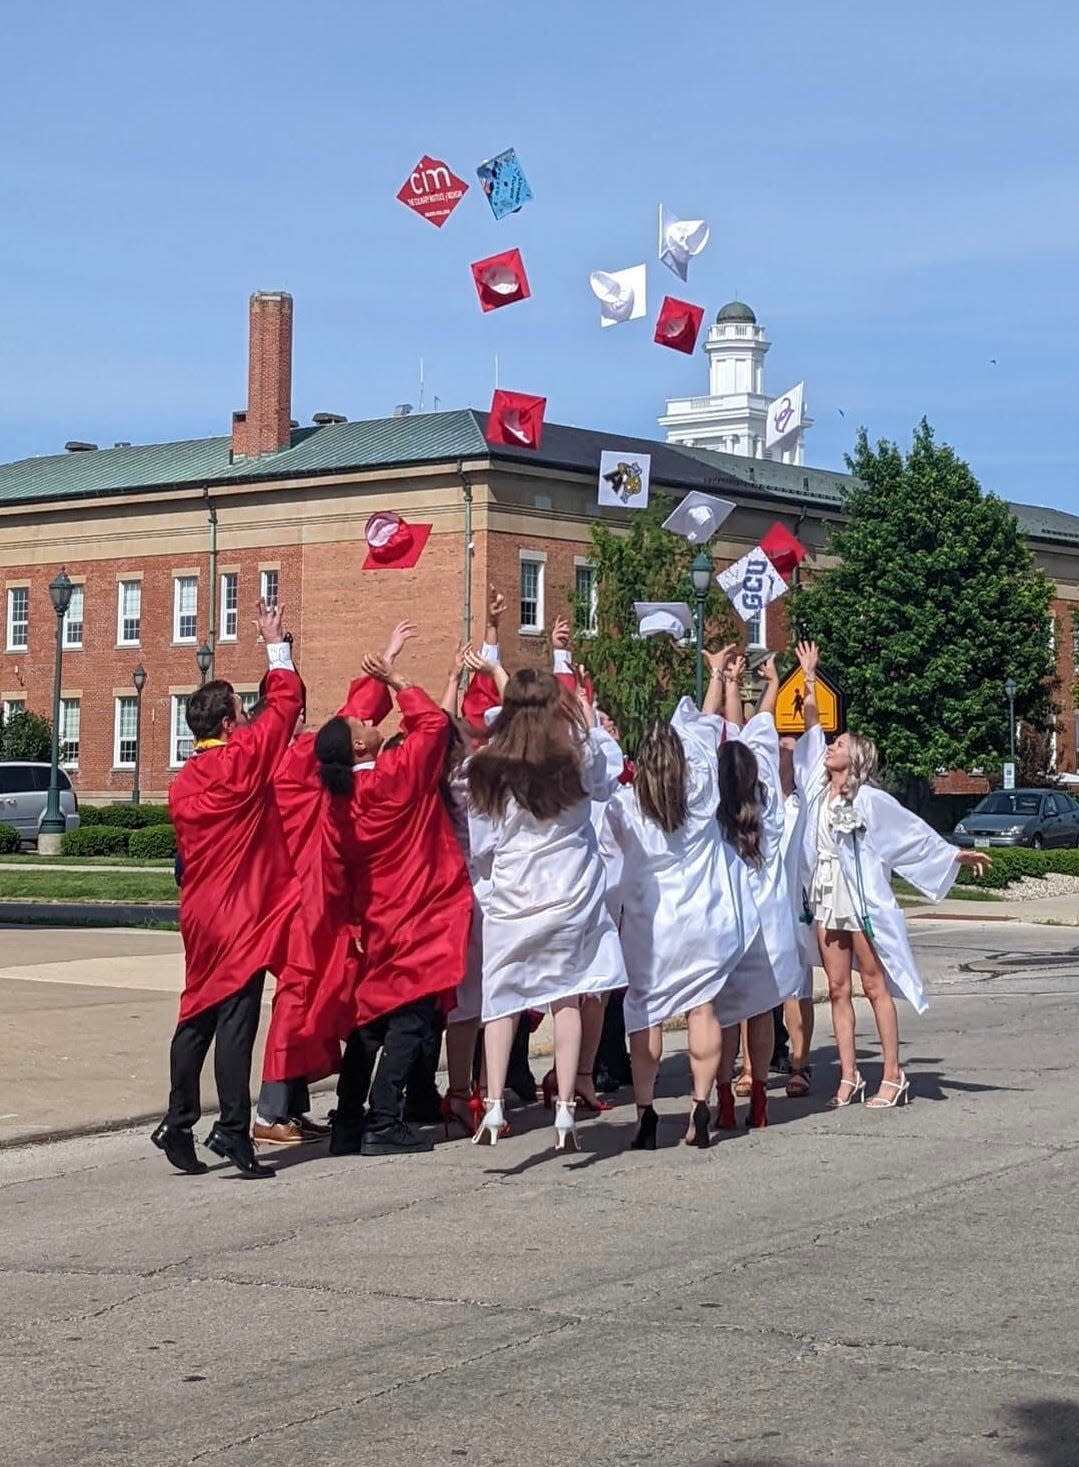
(594, 1107)
(451, 1115)
(758, 1106)
(724, 1120)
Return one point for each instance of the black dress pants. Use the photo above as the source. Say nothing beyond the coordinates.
(231, 1026)
(401, 1037)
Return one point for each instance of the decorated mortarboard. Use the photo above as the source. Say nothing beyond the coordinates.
(785, 415)
(503, 181)
(623, 479)
(757, 580)
(783, 549)
(698, 517)
(658, 618)
(432, 190)
(515, 419)
(621, 294)
(680, 240)
(678, 324)
(500, 280)
(391, 543)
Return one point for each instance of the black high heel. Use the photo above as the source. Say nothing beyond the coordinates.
(645, 1139)
(699, 1122)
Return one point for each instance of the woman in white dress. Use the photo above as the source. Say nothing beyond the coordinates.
(547, 936)
(856, 836)
(687, 915)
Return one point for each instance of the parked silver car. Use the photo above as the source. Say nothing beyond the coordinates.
(1037, 818)
(24, 789)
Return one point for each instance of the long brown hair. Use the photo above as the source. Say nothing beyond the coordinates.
(740, 804)
(659, 778)
(534, 753)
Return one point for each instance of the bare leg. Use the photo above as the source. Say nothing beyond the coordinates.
(592, 1008)
(798, 1017)
(745, 1079)
(705, 1041)
(762, 1034)
(645, 1053)
(876, 991)
(566, 1014)
(835, 952)
(460, 1047)
(497, 1043)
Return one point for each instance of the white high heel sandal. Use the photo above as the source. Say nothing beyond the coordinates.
(900, 1094)
(491, 1123)
(857, 1093)
(565, 1126)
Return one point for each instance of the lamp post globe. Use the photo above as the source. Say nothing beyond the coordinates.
(700, 573)
(204, 659)
(54, 824)
(138, 677)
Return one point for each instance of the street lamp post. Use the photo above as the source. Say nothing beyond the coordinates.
(1011, 687)
(138, 677)
(205, 659)
(700, 573)
(53, 825)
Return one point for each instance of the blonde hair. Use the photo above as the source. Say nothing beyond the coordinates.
(864, 762)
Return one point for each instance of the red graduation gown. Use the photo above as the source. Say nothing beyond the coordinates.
(240, 895)
(312, 1007)
(415, 892)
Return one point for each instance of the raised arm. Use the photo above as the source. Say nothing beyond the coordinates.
(808, 657)
(717, 664)
(415, 766)
(732, 697)
(496, 608)
(561, 644)
(485, 668)
(451, 696)
(771, 686)
(254, 750)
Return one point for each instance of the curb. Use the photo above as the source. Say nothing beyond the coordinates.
(88, 914)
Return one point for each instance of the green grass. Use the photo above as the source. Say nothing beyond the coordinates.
(31, 860)
(906, 895)
(87, 886)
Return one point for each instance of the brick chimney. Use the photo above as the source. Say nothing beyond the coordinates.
(265, 426)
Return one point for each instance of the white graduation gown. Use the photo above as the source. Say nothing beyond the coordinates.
(772, 969)
(547, 934)
(688, 913)
(809, 779)
(470, 989)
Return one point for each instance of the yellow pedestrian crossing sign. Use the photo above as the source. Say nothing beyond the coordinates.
(790, 704)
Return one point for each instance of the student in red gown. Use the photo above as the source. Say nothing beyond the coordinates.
(238, 902)
(415, 911)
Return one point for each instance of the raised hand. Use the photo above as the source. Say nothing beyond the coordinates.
(978, 861)
(735, 668)
(718, 661)
(808, 657)
(475, 663)
(403, 632)
(268, 620)
(460, 657)
(768, 669)
(496, 607)
(560, 633)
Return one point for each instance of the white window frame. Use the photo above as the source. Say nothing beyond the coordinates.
(761, 622)
(12, 645)
(264, 576)
(178, 585)
(66, 707)
(229, 580)
(179, 733)
(13, 705)
(580, 563)
(538, 558)
(121, 640)
(117, 730)
(72, 643)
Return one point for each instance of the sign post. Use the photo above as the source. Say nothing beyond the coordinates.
(1009, 775)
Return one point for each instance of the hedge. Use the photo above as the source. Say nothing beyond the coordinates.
(96, 840)
(1008, 864)
(124, 817)
(10, 840)
(155, 843)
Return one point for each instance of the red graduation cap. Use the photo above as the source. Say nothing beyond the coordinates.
(433, 190)
(501, 280)
(516, 419)
(391, 543)
(480, 696)
(782, 549)
(678, 324)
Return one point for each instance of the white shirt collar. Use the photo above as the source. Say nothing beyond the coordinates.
(368, 764)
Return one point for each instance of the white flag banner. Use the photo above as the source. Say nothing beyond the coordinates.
(623, 479)
(784, 416)
(752, 583)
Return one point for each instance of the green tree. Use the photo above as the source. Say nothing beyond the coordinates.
(640, 678)
(935, 601)
(25, 735)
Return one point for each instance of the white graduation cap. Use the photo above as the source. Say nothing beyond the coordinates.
(658, 618)
(621, 294)
(785, 415)
(680, 240)
(698, 517)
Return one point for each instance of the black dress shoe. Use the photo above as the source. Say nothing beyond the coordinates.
(238, 1150)
(179, 1146)
(393, 1140)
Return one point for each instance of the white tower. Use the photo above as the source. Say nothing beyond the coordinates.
(732, 417)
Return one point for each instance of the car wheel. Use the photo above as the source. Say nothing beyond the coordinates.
(1037, 843)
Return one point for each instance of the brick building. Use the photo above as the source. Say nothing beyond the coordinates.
(170, 544)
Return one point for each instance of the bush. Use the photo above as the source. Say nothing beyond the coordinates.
(125, 817)
(1010, 864)
(96, 840)
(155, 843)
(10, 840)
(25, 735)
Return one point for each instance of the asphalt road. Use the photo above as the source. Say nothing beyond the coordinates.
(889, 1289)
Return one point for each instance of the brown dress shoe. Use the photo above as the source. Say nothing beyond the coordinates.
(310, 1130)
(281, 1133)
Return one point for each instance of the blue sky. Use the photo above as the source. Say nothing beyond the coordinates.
(892, 188)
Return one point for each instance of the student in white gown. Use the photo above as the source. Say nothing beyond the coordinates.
(856, 836)
(547, 936)
(688, 915)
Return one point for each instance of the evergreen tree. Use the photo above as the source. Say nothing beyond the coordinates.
(25, 735)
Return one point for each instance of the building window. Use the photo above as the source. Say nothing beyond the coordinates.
(248, 698)
(18, 619)
(230, 605)
(12, 706)
(73, 618)
(531, 594)
(69, 732)
(125, 733)
(268, 586)
(129, 614)
(756, 631)
(585, 597)
(185, 609)
(182, 741)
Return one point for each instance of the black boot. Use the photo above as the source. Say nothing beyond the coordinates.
(392, 1139)
(346, 1136)
(645, 1139)
(238, 1150)
(179, 1146)
(699, 1123)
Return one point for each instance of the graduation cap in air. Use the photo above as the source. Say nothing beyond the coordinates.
(658, 618)
(503, 181)
(432, 190)
(621, 294)
(500, 280)
(698, 517)
(680, 240)
(783, 549)
(761, 576)
(678, 324)
(516, 419)
(391, 543)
